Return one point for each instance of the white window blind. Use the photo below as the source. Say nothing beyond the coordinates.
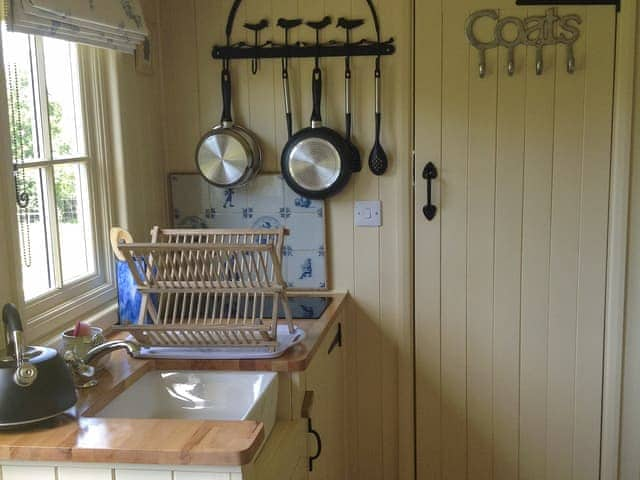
(115, 24)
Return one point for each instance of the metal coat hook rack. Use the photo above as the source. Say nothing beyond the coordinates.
(536, 31)
(270, 49)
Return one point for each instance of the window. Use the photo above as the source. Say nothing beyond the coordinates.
(59, 209)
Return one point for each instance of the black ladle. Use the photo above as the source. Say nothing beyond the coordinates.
(378, 161)
(348, 25)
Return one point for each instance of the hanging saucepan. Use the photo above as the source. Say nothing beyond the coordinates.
(228, 155)
(316, 161)
(35, 383)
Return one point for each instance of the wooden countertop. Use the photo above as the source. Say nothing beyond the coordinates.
(77, 437)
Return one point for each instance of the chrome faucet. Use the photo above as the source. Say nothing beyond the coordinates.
(81, 368)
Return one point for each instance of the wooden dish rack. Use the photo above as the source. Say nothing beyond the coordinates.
(206, 287)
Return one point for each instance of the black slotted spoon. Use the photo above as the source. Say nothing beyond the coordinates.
(378, 161)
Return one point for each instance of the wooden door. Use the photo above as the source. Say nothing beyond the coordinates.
(510, 274)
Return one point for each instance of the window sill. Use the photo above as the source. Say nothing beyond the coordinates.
(97, 306)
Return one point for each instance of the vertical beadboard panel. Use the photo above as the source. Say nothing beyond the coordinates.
(599, 43)
(179, 64)
(480, 240)
(364, 261)
(395, 279)
(429, 147)
(454, 183)
(208, 29)
(367, 281)
(563, 273)
(262, 89)
(536, 232)
(286, 9)
(507, 269)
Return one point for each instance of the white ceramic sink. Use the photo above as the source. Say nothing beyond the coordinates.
(199, 395)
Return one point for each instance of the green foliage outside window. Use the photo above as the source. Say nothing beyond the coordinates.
(65, 185)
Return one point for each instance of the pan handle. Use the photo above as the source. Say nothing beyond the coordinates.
(316, 115)
(226, 97)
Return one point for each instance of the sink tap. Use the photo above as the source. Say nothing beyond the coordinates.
(81, 368)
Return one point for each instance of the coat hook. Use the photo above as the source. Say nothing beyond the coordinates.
(480, 46)
(571, 60)
(539, 61)
(511, 64)
(482, 63)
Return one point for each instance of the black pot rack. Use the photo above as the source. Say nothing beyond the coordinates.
(270, 49)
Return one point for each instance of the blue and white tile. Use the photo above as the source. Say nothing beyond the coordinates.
(266, 194)
(193, 193)
(192, 221)
(266, 221)
(228, 200)
(228, 220)
(306, 232)
(299, 204)
(306, 270)
(267, 203)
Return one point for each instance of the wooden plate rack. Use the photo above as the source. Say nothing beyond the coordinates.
(207, 287)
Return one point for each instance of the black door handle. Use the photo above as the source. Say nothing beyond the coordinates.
(429, 173)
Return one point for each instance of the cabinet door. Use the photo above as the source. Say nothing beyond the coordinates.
(325, 378)
(281, 455)
(510, 274)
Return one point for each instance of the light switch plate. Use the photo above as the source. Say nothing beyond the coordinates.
(368, 214)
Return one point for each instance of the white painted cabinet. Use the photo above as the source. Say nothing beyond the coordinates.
(33, 471)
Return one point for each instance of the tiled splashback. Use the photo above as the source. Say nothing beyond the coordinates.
(267, 202)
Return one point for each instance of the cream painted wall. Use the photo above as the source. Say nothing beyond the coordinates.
(138, 175)
(373, 264)
(7, 276)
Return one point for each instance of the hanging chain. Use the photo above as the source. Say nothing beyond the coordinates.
(19, 175)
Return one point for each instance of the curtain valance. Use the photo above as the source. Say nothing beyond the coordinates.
(116, 24)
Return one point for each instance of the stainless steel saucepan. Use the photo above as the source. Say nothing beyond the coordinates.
(228, 155)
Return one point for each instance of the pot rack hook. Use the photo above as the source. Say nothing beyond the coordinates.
(287, 24)
(256, 28)
(348, 25)
(317, 26)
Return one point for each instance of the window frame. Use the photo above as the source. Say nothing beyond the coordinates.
(65, 304)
